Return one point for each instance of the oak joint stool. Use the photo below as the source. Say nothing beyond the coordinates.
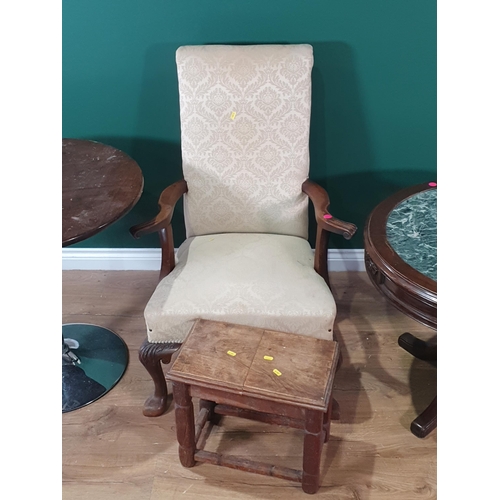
(269, 376)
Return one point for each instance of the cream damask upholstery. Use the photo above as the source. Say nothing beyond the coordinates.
(245, 113)
(261, 280)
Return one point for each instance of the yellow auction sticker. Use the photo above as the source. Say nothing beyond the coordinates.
(268, 358)
(231, 353)
(277, 372)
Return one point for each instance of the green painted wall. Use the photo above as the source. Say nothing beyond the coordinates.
(373, 124)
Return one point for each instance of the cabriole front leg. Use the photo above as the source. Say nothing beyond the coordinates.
(151, 355)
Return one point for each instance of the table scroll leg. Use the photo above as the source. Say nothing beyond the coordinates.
(313, 444)
(426, 351)
(184, 423)
(426, 422)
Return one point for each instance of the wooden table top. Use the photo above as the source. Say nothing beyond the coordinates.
(100, 184)
(235, 358)
(412, 292)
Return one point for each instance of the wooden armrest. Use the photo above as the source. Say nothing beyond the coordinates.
(324, 219)
(166, 203)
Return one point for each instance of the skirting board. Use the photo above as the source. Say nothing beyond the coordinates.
(148, 259)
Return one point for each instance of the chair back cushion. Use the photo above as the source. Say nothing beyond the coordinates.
(245, 113)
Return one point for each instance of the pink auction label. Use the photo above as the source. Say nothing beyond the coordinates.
(327, 216)
(433, 184)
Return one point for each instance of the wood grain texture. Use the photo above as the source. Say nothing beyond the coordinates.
(308, 365)
(305, 365)
(244, 401)
(212, 364)
(222, 355)
(110, 450)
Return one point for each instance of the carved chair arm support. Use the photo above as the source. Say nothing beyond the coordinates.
(166, 203)
(330, 224)
(324, 219)
(161, 224)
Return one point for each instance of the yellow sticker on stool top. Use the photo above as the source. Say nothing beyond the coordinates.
(231, 353)
(268, 358)
(277, 372)
(233, 115)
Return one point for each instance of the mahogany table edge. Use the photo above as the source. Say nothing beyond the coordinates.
(407, 289)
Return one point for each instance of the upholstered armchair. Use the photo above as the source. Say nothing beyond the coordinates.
(245, 113)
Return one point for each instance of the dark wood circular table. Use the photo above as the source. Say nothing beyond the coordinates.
(100, 184)
(400, 258)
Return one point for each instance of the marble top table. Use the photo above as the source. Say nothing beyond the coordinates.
(401, 260)
(100, 184)
(401, 251)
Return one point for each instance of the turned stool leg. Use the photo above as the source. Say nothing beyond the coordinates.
(184, 423)
(327, 419)
(313, 444)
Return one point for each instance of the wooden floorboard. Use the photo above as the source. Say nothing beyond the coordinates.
(111, 451)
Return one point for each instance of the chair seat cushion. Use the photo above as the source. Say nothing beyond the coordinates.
(260, 280)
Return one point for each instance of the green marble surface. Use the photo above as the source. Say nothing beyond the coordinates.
(412, 232)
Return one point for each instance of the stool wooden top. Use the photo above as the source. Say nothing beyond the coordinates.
(232, 357)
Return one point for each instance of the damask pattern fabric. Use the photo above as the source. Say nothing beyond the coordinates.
(261, 280)
(245, 113)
